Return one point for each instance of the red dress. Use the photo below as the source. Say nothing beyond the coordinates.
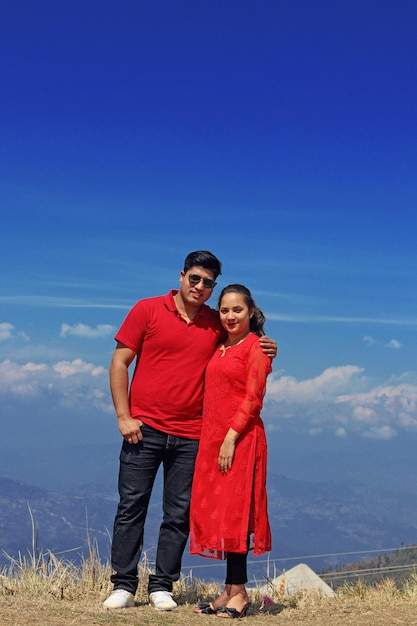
(227, 509)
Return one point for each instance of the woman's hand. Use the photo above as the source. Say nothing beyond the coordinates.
(227, 451)
(226, 454)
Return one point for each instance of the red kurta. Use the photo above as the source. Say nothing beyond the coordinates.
(225, 509)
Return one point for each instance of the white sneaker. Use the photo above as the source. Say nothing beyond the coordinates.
(119, 599)
(162, 601)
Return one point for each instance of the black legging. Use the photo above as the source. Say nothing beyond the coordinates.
(236, 570)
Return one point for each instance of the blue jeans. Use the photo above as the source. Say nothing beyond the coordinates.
(139, 464)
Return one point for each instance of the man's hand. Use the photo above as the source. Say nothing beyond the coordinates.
(269, 346)
(130, 429)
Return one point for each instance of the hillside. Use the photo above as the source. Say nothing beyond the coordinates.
(313, 523)
(61, 521)
(397, 566)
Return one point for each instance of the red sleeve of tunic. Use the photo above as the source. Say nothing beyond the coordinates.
(258, 368)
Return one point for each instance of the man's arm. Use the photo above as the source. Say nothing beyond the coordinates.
(269, 346)
(119, 386)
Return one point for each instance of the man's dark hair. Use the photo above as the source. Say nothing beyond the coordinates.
(205, 259)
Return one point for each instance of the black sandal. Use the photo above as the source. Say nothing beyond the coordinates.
(205, 608)
(234, 613)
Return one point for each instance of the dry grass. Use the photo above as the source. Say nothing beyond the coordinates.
(43, 590)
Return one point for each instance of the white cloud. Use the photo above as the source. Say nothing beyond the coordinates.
(78, 366)
(76, 384)
(393, 406)
(394, 344)
(369, 340)
(58, 302)
(82, 330)
(6, 331)
(319, 319)
(21, 380)
(383, 432)
(329, 383)
(342, 399)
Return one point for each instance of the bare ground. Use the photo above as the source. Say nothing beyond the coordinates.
(49, 592)
(17, 611)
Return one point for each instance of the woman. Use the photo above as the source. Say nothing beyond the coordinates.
(229, 503)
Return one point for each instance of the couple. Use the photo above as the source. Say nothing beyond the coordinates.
(174, 338)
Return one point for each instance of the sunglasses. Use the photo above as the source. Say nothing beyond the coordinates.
(194, 279)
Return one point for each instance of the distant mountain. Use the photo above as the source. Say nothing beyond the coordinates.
(61, 522)
(332, 518)
(399, 566)
(34, 520)
(307, 519)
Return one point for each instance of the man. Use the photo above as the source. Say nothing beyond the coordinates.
(172, 337)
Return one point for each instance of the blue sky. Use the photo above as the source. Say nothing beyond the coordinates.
(279, 135)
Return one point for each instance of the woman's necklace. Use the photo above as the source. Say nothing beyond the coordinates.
(223, 347)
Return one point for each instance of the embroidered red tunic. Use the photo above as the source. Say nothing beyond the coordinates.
(227, 509)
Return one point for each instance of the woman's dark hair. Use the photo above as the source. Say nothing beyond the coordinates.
(257, 320)
(205, 259)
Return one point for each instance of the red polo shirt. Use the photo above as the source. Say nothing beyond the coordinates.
(166, 391)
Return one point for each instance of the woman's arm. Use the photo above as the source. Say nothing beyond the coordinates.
(258, 368)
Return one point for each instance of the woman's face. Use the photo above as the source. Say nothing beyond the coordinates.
(235, 315)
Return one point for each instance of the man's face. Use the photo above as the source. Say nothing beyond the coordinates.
(196, 285)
